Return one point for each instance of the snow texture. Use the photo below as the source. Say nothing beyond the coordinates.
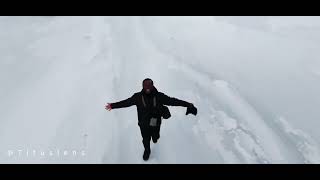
(254, 80)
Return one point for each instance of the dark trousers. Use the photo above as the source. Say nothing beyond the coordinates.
(147, 133)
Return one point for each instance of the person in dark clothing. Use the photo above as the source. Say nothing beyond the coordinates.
(150, 108)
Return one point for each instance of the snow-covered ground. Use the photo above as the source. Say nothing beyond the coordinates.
(254, 80)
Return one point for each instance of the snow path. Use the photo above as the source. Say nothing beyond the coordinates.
(73, 66)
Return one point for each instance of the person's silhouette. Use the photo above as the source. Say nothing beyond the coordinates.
(150, 107)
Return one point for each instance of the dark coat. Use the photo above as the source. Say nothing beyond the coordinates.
(145, 113)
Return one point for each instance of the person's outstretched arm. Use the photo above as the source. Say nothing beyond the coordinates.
(171, 101)
(121, 104)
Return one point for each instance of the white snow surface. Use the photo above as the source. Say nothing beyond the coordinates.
(254, 80)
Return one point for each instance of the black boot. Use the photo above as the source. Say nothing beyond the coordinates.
(146, 155)
(155, 139)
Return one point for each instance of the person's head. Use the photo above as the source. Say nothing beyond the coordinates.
(147, 85)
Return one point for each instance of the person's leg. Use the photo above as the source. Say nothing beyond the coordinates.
(155, 133)
(146, 137)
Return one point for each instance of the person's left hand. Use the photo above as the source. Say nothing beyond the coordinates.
(192, 110)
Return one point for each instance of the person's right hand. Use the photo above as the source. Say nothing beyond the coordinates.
(108, 107)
